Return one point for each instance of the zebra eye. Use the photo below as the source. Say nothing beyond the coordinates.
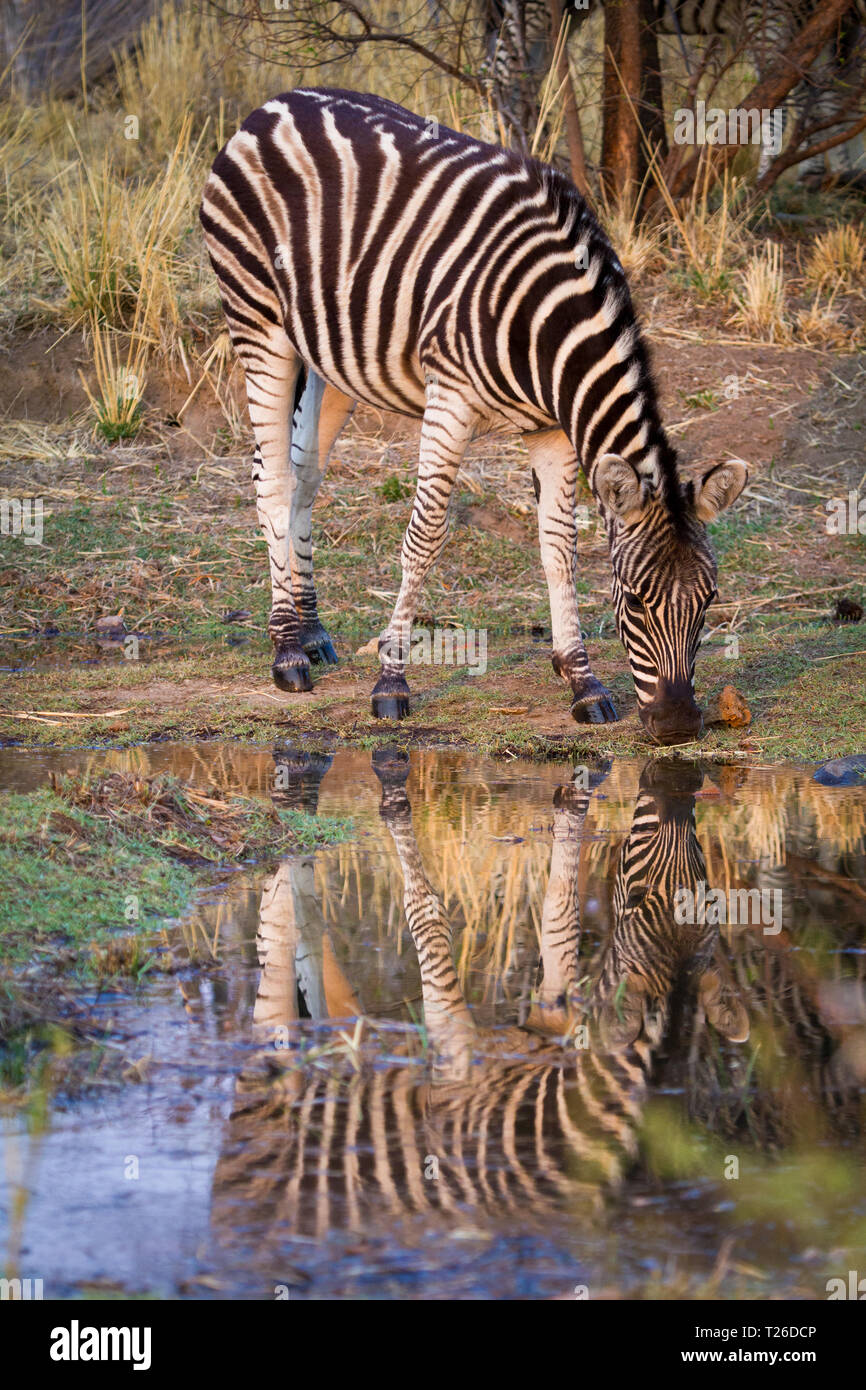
(633, 603)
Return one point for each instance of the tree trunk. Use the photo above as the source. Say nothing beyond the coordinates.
(621, 94)
(573, 129)
(652, 104)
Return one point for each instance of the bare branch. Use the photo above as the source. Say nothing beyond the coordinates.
(770, 92)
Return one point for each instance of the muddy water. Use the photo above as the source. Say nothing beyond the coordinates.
(507, 1043)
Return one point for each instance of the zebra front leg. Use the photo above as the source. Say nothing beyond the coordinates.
(447, 1018)
(554, 475)
(445, 432)
(318, 419)
(556, 1004)
(270, 379)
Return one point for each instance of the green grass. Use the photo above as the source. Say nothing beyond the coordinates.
(67, 878)
(69, 874)
(93, 871)
(803, 707)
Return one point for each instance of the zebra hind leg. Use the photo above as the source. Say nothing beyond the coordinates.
(270, 380)
(321, 411)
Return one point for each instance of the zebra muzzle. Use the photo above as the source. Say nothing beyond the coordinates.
(672, 716)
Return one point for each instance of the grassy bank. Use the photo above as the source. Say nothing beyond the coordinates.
(95, 872)
(170, 550)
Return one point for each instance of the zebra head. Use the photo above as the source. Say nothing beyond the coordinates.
(664, 579)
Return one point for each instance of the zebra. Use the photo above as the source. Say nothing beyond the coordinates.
(538, 1113)
(769, 27)
(363, 255)
(519, 42)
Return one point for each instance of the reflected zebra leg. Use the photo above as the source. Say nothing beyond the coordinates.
(289, 946)
(277, 938)
(320, 415)
(300, 975)
(554, 474)
(555, 1005)
(320, 983)
(446, 1014)
(298, 777)
(447, 427)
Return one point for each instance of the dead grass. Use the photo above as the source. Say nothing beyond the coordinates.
(190, 825)
(837, 259)
(760, 297)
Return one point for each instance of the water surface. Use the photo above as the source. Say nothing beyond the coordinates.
(492, 1048)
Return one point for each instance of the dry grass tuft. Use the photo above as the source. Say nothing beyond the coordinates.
(761, 295)
(837, 259)
(821, 324)
(638, 245)
(106, 239)
(705, 232)
(119, 383)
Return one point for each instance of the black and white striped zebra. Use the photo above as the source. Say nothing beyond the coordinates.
(767, 27)
(519, 41)
(363, 255)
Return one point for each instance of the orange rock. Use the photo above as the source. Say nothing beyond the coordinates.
(728, 708)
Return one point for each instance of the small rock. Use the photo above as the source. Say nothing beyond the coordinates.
(113, 626)
(728, 708)
(370, 648)
(236, 615)
(842, 772)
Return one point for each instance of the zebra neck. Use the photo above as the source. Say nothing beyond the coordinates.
(608, 405)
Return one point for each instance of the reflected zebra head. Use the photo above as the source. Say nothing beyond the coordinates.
(664, 579)
(657, 970)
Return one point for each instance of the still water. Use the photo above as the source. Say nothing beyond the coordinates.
(536, 1032)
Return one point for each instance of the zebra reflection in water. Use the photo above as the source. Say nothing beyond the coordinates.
(504, 1118)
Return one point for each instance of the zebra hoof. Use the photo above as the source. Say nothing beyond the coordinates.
(594, 707)
(291, 671)
(390, 706)
(390, 697)
(319, 648)
(391, 766)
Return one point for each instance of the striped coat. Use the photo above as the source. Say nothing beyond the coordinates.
(363, 253)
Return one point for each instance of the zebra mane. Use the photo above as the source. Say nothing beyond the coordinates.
(577, 220)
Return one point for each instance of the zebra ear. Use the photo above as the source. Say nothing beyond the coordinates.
(719, 487)
(621, 492)
(723, 1006)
